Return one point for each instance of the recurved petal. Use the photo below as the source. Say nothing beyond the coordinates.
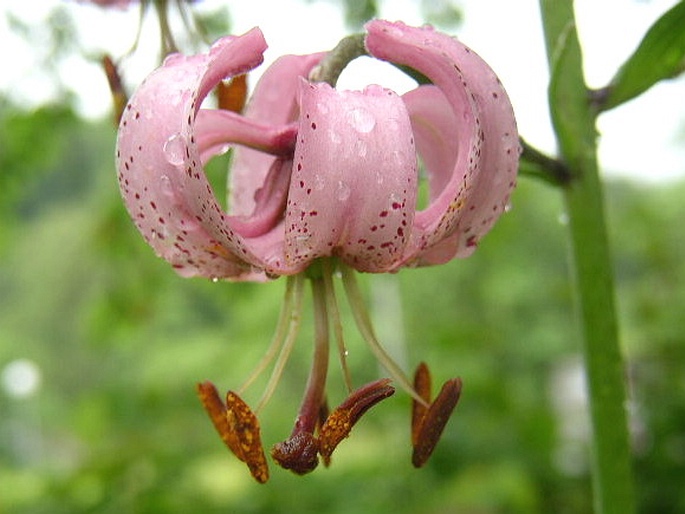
(160, 170)
(273, 102)
(484, 172)
(353, 187)
(436, 130)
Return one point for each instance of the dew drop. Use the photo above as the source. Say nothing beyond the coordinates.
(273, 261)
(165, 186)
(394, 31)
(343, 191)
(334, 136)
(322, 107)
(174, 149)
(361, 120)
(399, 158)
(219, 45)
(394, 202)
(361, 148)
(174, 59)
(215, 279)
(303, 237)
(394, 124)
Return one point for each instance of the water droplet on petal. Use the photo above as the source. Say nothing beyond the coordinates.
(399, 158)
(394, 31)
(174, 59)
(165, 186)
(273, 261)
(361, 120)
(361, 148)
(393, 124)
(219, 45)
(334, 136)
(323, 107)
(174, 149)
(344, 191)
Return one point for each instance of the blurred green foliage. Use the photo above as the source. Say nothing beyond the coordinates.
(119, 342)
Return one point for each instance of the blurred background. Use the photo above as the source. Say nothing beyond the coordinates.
(101, 344)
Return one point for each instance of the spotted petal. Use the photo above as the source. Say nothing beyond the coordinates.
(273, 102)
(161, 148)
(476, 186)
(353, 187)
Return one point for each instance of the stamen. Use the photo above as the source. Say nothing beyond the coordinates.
(433, 423)
(334, 312)
(361, 317)
(324, 412)
(295, 298)
(238, 428)
(422, 385)
(339, 424)
(277, 339)
(245, 426)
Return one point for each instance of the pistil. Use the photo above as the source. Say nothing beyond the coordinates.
(299, 452)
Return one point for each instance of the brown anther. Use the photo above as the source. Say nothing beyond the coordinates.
(232, 96)
(298, 453)
(340, 422)
(324, 411)
(434, 420)
(238, 427)
(422, 386)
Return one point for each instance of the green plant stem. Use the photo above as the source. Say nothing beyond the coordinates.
(574, 121)
(536, 164)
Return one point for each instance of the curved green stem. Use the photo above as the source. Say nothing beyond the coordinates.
(337, 59)
(574, 121)
(536, 164)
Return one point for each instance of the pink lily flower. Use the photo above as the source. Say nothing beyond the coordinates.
(321, 179)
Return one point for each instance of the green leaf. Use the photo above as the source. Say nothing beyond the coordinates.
(660, 55)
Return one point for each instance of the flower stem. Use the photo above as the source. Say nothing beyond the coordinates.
(534, 163)
(348, 49)
(574, 122)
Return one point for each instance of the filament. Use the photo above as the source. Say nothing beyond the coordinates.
(288, 326)
(334, 313)
(361, 318)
